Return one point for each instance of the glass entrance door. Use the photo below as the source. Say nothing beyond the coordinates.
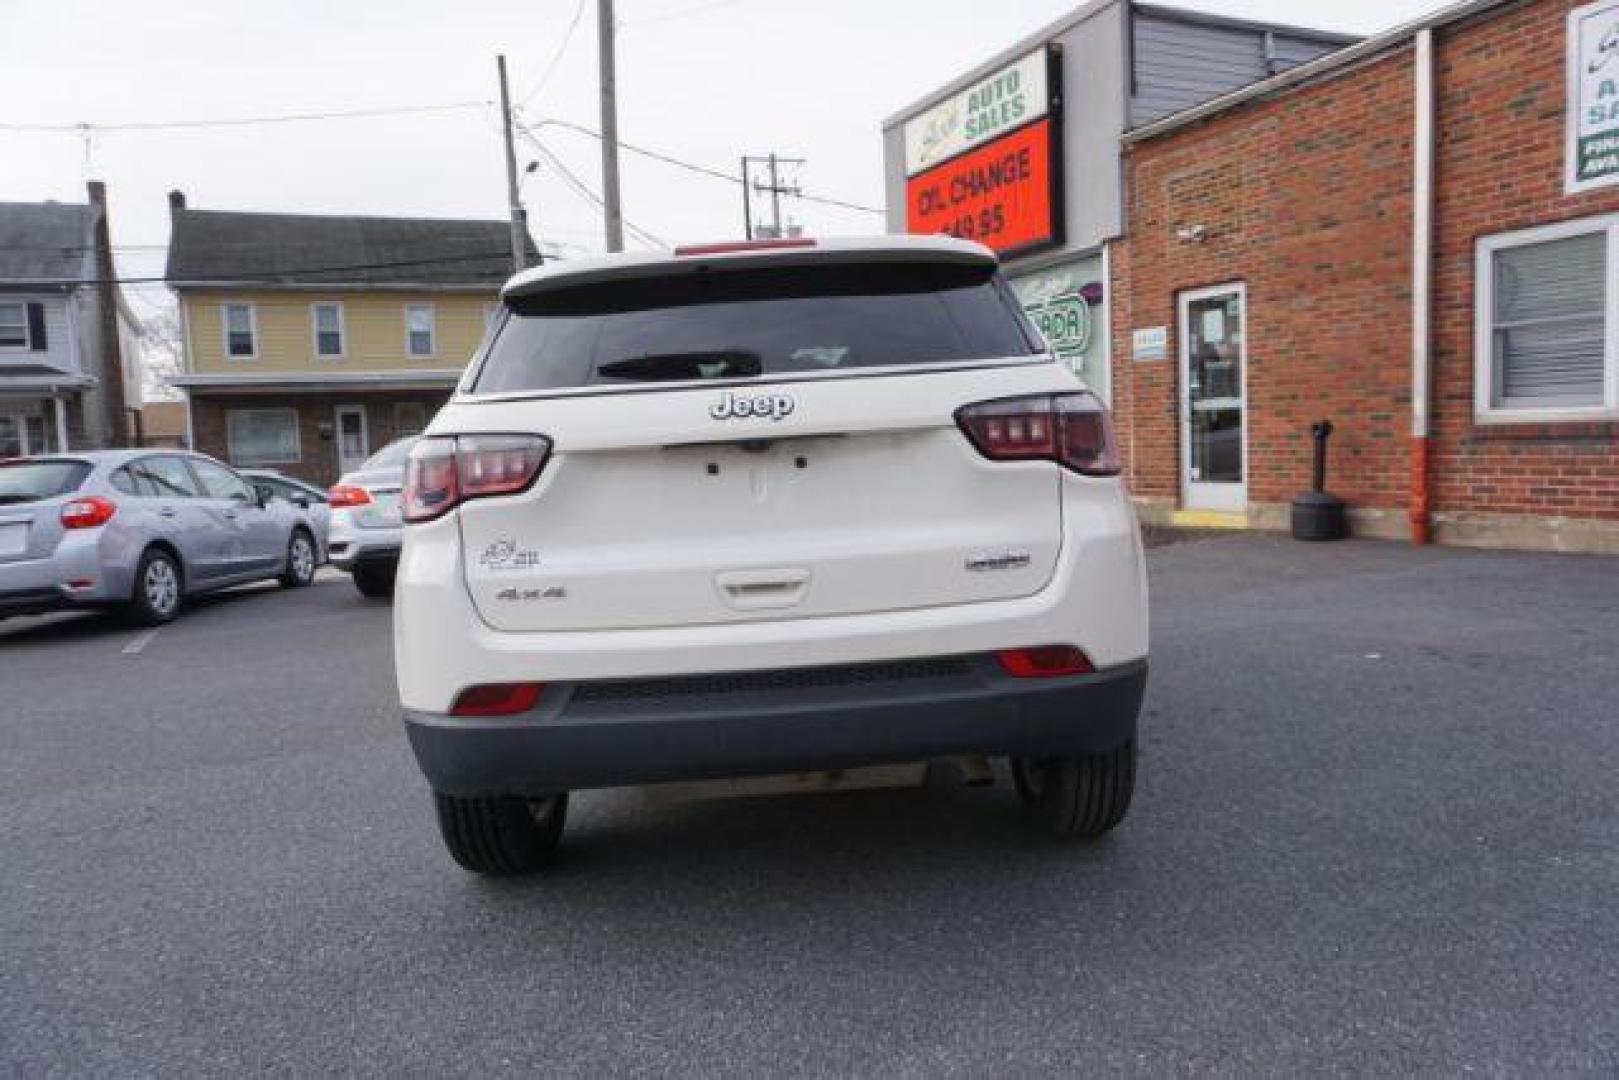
(353, 440)
(1213, 362)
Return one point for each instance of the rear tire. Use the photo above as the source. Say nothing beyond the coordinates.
(158, 590)
(374, 583)
(300, 569)
(1078, 797)
(501, 837)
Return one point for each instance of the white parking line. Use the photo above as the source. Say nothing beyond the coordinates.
(142, 639)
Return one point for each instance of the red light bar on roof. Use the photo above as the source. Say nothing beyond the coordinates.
(745, 245)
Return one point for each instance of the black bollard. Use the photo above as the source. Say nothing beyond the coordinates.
(1317, 515)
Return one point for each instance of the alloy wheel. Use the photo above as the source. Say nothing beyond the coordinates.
(162, 586)
(303, 558)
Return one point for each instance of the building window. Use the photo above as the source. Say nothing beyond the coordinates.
(241, 331)
(328, 320)
(24, 430)
(262, 436)
(1547, 308)
(410, 418)
(22, 326)
(13, 326)
(419, 329)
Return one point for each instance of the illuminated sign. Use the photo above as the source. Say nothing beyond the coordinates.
(986, 165)
(1001, 194)
(991, 107)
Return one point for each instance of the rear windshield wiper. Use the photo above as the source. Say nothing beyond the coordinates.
(674, 367)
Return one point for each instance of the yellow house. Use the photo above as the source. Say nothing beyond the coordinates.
(310, 341)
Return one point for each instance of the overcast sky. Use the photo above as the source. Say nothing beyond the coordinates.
(703, 80)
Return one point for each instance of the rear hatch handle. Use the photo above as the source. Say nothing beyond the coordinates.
(763, 590)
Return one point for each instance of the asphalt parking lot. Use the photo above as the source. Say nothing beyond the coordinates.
(1377, 831)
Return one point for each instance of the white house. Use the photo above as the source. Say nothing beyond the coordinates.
(64, 330)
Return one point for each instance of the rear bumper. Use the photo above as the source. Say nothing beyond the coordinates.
(616, 733)
(73, 576)
(33, 601)
(371, 553)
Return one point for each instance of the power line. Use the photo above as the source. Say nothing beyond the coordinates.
(214, 245)
(243, 121)
(585, 190)
(556, 57)
(272, 276)
(693, 167)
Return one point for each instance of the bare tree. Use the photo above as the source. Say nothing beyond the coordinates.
(160, 354)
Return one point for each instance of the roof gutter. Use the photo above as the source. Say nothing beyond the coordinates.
(272, 285)
(1388, 41)
(294, 380)
(44, 384)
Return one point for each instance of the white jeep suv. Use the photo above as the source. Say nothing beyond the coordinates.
(755, 509)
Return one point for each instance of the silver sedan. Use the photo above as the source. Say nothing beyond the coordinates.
(139, 530)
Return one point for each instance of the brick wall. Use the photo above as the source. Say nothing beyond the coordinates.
(1305, 200)
(316, 424)
(1499, 163)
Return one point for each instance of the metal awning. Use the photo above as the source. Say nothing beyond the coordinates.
(314, 382)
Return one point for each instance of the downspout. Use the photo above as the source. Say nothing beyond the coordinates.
(1422, 287)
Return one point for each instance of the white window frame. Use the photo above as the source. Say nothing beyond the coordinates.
(252, 328)
(356, 409)
(21, 305)
(1485, 411)
(230, 441)
(1216, 495)
(432, 331)
(20, 412)
(342, 330)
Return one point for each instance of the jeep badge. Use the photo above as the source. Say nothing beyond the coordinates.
(765, 406)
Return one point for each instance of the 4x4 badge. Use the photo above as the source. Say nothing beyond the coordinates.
(765, 407)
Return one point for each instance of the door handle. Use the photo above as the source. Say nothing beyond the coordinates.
(230, 515)
(763, 590)
(168, 512)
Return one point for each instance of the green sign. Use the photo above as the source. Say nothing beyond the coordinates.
(1065, 302)
(1065, 320)
(1593, 96)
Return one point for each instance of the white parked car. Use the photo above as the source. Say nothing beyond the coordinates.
(756, 509)
(365, 530)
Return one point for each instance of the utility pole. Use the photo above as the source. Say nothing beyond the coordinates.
(514, 204)
(747, 202)
(776, 188)
(611, 208)
(775, 196)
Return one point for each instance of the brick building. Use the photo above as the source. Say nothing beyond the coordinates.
(1415, 237)
(311, 342)
(1022, 151)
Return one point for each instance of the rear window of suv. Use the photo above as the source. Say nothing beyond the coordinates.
(727, 324)
(31, 481)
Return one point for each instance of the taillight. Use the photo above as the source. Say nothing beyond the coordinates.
(1046, 662)
(1072, 430)
(444, 472)
(88, 512)
(347, 495)
(497, 699)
